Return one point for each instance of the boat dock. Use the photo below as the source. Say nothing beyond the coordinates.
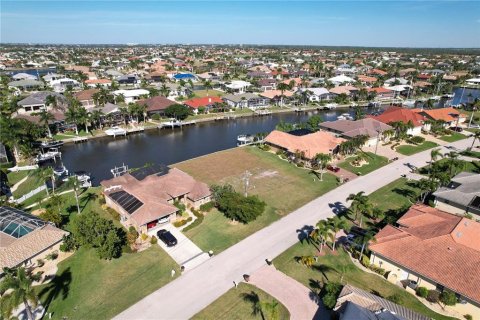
(135, 130)
(80, 139)
(262, 112)
(175, 124)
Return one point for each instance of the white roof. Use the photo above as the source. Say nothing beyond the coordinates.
(131, 93)
(315, 91)
(399, 88)
(62, 81)
(22, 75)
(238, 84)
(341, 79)
(476, 80)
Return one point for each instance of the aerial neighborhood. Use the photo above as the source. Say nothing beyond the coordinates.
(239, 182)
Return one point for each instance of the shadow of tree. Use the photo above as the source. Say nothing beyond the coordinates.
(338, 208)
(253, 298)
(303, 234)
(59, 286)
(408, 193)
(315, 284)
(90, 196)
(323, 269)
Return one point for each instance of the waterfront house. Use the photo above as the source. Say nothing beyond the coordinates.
(341, 79)
(310, 144)
(237, 86)
(145, 198)
(129, 79)
(316, 94)
(25, 238)
(86, 97)
(207, 103)
(61, 85)
(382, 93)
(398, 114)
(356, 304)
(349, 129)
(156, 105)
(267, 84)
(366, 80)
(37, 101)
(350, 91)
(26, 85)
(277, 96)
(246, 100)
(461, 195)
(93, 83)
(23, 76)
(431, 248)
(450, 116)
(132, 95)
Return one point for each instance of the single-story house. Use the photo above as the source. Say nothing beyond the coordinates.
(25, 238)
(451, 116)
(473, 81)
(434, 249)
(23, 76)
(276, 97)
(61, 85)
(382, 93)
(131, 95)
(316, 94)
(37, 101)
(26, 84)
(357, 304)
(341, 79)
(267, 84)
(310, 144)
(156, 104)
(128, 79)
(204, 102)
(92, 83)
(246, 100)
(348, 90)
(461, 195)
(398, 114)
(145, 198)
(237, 86)
(86, 97)
(366, 80)
(348, 129)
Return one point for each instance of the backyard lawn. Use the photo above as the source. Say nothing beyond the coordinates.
(374, 162)
(232, 305)
(14, 177)
(280, 184)
(410, 149)
(454, 136)
(89, 288)
(28, 185)
(331, 267)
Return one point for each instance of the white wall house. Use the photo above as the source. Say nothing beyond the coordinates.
(131, 95)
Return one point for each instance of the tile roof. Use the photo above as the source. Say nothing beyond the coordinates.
(437, 245)
(311, 144)
(156, 103)
(202, 102)
(276, 93)
(349, 128)
(85, 94)
(465, 188)
(394, 114)
(445, 114)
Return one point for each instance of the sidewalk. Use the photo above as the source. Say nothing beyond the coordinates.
(300, 301)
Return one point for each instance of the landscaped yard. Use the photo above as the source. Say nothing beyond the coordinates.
(374, 162)
(28, 185)
(233, 306)
(395, 195)
(280, 184)
(454, 136)
(471, 153)
(209, 93)
(410, 149)
(331, 267)
(14, 177)
(89, 288)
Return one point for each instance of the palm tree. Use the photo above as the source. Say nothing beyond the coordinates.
(51, 100)
(45, 118)
(357, 200)
(282, 87)
(207, 84)
(18, 284)
(307, 261)
(96, 117)
(365, 240)
(321, 233)
(476, 136)
(164, 90)
(45, 174)
(323, 160)
(434, 155)
(452, 161)
(71, 117)
(73, 181)
(83, 117)
(336, 224)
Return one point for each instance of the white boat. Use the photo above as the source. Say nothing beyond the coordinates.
(50, 155)
(116, 131)
(244, 139)
(345, 116)
(60, 171)
(409, 103)
(82, 177)
(331, 106)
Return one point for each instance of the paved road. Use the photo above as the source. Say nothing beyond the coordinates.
(193, 291)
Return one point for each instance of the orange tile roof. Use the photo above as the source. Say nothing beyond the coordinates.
(394, 114)
(99, 81)
(437, 245)
(202, 102)
(276, 93)
(445, 114)
(311, 144)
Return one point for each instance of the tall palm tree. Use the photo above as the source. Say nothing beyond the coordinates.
(323, 160)
(18, 284)
(45, 118)
(96, 117)
(207, 84)
(45, 174)
(336, 224)
(71, 117)
(282, 87)
(83, 117)
(452, 161)
(164, 90)
(73, 182)
(358, 199)
(321, 233)
(434, 155)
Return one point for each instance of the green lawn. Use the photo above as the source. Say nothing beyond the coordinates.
(374, 162)
(395, 195)
(30, 184)
(410, 149)
(89, 288)
(472, 154)
(233, 306)
(473, 166)
(454, 136)
(210, 93)
(14, 177)
(280, 184)
(330, 268)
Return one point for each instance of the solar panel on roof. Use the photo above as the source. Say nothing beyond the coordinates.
(156, 169)
(128, 202)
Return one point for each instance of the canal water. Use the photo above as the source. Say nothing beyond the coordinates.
(167, 146)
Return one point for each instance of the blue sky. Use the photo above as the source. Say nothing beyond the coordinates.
(351, 23)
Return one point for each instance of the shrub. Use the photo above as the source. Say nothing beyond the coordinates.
(132, 235)
(206, 207)
(416, 140)
(153, 240)
(180, 206)
(52, 256)
(182, 222)
(468, 317)
(376, 269)
(115, 215)
(448, 298)
(422, 292)
(395, 298)
(195, 223)
(156, 116)
(329, 301)
(433, 296)
(40, 263)
(69, 244)
(144, 236)
(331, 291)
(365, 261)
(264, 147)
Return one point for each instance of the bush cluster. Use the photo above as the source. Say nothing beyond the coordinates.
(182, 222)
(330, 294)
(433, 296)
(195, 223)
(206, 207)
(416, 140)
(422, 292)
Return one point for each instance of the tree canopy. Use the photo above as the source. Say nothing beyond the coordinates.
(178, 111)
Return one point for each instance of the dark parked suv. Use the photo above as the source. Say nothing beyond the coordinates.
(167, 237)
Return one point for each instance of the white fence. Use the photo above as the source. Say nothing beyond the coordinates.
(31, 194)
(15, 169)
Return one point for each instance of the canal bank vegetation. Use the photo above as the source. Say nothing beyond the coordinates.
(282, 186)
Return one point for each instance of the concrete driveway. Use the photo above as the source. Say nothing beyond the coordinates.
(185, 253)
(185, 296)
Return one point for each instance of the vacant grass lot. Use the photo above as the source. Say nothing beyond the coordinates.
(410, 149)
(394, 195)
(374, 162)
(280, 184)
(454, 136)
(233, 306)
(89, 288)
(210, 93)
(331, 267)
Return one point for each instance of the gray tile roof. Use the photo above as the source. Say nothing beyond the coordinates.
(238, 97)
(465, 186)
(40, 98)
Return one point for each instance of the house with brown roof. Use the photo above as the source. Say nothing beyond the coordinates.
(431, 248)
(156, 104)
(349, 129)
(25, 238)
(309, 144)
(145, 198)
(86, 97)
